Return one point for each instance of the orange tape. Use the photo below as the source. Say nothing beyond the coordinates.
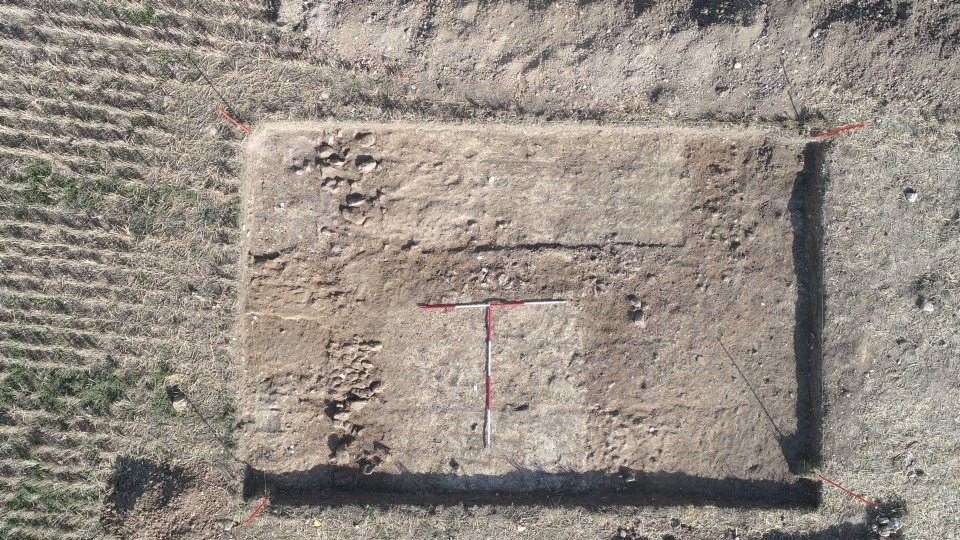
(262, 505)
(837, 131)
(849, 492)
(233, 121)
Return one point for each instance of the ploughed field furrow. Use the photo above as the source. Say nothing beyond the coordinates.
(58, 269)
(53, 445)
(159, 266)
(119, 155)
(33, 422)
(80, 340)
(30, 249)
(59, 492)
(76, 165)
(29, 468)
(100, 61)
(103, 58)
(48, 533)
(28, 353)
(145, 320)
(62, 521)
(33, 336)
(71, 307)
(107, 90)
(23, 193)
(21, 146)
(73, 447)
(47, 44)
(30, 363)
(166, 28)
(54, 485)
(127, 328)
(250, 10)
(63, 31)
(176, 308)
(23, 283)
(58, 262)
(149, 281)
(77, 221)
(24, 342)
(81, 290)
(42, 233)
(85, 103)
(18, 114)
(104, 84)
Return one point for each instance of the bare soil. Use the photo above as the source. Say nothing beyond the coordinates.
(121, 254)
(662, 240)
(152, 501)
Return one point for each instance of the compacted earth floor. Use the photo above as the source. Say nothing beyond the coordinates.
(669, 245)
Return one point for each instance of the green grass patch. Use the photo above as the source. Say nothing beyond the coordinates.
(42, 185)
(159, 403)
(150, 210)
(39, 496)
(155, 210)
(143, 15)
(62, 390)
(87, 194)
(35, 178)
(136, 13)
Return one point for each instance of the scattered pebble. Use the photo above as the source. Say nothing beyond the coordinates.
(326, 152)
(926, 305)
(365, 139)
(886, 527)
(637, 314)
(356, 199)
(366, 163)
(911, 195)
(357, 406)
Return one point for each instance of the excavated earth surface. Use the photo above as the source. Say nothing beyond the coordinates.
(662, 241)
(120, 242)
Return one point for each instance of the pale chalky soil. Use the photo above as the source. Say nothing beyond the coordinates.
(660, 238)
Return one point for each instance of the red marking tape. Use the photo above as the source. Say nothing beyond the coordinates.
(262, 505)
(837, 131)
(233, 121)
(861, 498)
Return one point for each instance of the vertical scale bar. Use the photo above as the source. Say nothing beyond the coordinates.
(488, 308)
(488, 403)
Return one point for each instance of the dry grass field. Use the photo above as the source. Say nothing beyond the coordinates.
(120, 234)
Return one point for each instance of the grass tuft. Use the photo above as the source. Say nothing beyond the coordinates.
(159, 402)
(42, 185)
(38, 496)
(62, 391)
(143, 16)
(150, 210)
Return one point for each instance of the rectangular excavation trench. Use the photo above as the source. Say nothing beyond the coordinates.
(660, 239)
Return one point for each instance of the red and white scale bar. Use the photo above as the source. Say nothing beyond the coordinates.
(488, 308)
